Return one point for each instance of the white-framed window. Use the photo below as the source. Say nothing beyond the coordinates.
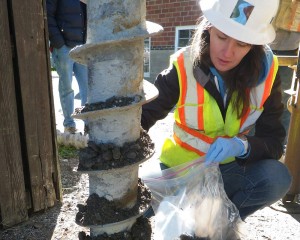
(183, 36)
(147, 47)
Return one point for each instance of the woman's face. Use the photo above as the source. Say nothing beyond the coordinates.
(226, 52)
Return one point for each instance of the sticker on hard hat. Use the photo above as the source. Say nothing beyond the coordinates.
(242, 12)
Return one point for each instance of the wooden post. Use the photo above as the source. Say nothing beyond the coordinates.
(292, 156)
(29, 30)
(12, 191)
(29, 167)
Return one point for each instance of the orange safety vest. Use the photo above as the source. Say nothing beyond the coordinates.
(198, 119)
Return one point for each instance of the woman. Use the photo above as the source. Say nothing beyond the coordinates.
(222, 86)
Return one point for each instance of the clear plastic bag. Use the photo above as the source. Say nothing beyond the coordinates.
(190, 200)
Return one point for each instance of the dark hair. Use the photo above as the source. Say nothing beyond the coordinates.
(241, 78)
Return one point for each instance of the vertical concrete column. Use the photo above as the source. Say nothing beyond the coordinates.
(114, 54)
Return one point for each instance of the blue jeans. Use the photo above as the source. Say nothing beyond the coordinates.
(65, 66)
(256, 185)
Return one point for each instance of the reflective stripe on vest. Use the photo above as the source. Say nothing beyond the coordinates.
(198, 119)
(258, 96)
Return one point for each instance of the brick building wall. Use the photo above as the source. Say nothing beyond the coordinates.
(169, 14)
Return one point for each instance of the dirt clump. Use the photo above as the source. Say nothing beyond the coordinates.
(141, 230)
(106, 156)
(112, 102)
(188, 237)
(100, 211)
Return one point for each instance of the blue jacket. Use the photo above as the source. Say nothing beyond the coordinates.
(66, 22)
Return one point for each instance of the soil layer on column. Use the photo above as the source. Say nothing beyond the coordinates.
(100, 211)
(112, 102)
(141, 230)
(107, 156)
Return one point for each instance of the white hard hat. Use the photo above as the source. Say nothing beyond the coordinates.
(244, 20)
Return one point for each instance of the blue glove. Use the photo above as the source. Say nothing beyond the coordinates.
(223, 148)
